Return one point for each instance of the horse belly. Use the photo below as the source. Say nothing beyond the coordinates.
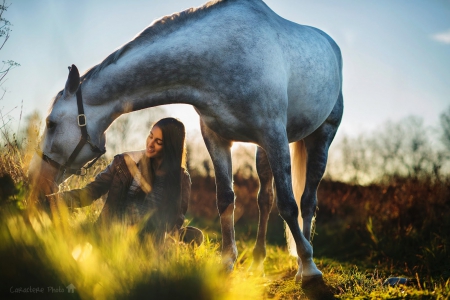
(229, 127)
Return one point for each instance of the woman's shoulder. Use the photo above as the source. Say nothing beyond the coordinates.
(126, 159)
(134, 155)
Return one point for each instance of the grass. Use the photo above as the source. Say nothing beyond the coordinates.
(115, 263)
(111, 263)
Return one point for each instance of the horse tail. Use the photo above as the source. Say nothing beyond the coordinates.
(298, 171)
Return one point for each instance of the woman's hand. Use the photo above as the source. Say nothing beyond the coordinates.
(56, 199)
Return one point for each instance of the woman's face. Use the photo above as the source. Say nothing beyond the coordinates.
(154, 144)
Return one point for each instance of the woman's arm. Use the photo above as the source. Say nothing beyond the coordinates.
(94, 190)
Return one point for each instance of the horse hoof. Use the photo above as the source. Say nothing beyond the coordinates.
(315, 288)
(227, 266)
(227, 269)
(256, 270)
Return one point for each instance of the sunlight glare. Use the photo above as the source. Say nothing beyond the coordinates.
(80, 253)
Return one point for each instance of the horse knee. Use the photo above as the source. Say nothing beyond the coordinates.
(308, 205)
(224, 200)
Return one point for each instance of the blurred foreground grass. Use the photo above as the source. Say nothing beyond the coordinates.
(113, 263)
(110, 263)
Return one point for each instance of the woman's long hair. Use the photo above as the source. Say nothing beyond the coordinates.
(172, 166)
(174, 147)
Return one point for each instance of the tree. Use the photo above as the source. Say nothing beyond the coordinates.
(445, 125)
(397, 149)
(8, 65)
(5, 30)
(11, 163)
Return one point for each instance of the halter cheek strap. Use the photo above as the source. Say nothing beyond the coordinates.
(84, 139)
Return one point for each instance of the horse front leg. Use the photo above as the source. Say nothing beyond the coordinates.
(220, 152)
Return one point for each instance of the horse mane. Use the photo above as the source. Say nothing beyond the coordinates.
(166, 24)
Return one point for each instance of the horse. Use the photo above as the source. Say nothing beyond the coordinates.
(251, 75)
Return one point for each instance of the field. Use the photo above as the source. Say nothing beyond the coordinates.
(383, 216)
(364, 235)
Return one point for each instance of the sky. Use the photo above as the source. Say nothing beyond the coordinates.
(396, 54)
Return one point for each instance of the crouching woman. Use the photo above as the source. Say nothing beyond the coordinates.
(148, 187)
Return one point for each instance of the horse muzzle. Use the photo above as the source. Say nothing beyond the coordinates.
(44, 178)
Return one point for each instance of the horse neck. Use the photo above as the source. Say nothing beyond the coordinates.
(146, 76)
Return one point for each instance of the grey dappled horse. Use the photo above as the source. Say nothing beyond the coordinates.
(251, 75)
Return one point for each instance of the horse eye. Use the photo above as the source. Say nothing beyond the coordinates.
(50, 124)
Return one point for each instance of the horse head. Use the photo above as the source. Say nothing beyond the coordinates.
(72, 137)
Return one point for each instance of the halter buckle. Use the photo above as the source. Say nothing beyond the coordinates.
(81, 120)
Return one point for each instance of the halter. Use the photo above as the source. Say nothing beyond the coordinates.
(84, 139)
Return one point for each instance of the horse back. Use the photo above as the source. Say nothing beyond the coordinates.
(248, 57)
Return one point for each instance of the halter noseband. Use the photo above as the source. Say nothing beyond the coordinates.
(84, 139)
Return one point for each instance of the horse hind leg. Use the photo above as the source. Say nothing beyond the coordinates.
(317, 145)
(220, 152)
(298, 165)
(277, 149)
(265, 203)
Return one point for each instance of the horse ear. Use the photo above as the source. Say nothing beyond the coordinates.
(73, 81)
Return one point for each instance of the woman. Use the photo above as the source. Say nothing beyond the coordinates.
(150, 187)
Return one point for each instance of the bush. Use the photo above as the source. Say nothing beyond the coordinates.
(402, 225)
